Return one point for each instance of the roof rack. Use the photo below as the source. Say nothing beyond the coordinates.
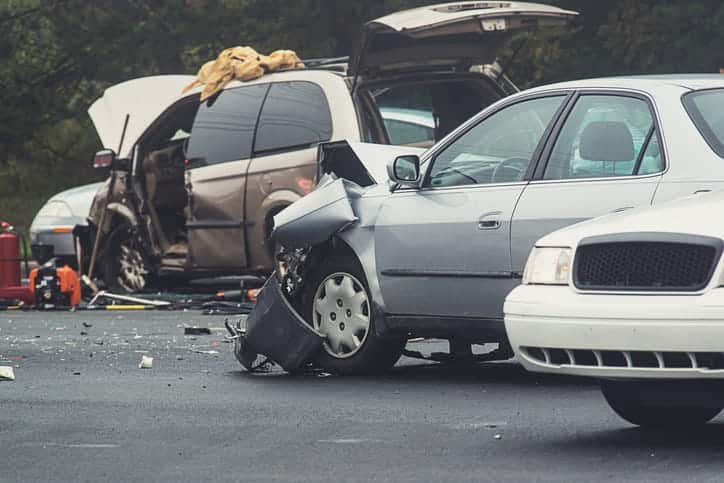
(325, 61)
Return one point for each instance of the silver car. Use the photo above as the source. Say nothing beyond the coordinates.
(434, 250)
(51, 233)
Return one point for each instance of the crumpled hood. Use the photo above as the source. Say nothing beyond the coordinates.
(347, 172)
(694, 215)
(362, 163)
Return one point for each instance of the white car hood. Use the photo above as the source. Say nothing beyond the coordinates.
(694, 215)
(143, 100)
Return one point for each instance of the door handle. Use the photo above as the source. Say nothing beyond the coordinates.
(623, 208)
(698, 192)
(489, 221)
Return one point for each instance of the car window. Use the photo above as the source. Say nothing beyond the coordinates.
(413, 131)
(295, 114)
(435, 108)
(706, 109)
(499, 149)
(224, 126)
(604, 136)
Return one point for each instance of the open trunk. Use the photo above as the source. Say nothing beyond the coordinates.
(449, 35)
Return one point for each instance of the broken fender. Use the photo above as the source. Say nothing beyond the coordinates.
(316, 217)
(353, 168)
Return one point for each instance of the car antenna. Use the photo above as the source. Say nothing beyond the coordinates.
(99, 229)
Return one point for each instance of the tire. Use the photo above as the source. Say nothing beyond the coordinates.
(126, 266)
(353, 346)
(640, 408)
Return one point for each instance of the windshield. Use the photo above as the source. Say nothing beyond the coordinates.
(706, 109)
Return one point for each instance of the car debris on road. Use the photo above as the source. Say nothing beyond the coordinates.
(7, 373)
(146, 362)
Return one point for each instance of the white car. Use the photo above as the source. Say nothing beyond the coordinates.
(635, 299)
(51, 233)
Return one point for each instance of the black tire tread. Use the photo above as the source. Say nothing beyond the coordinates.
(645, 414)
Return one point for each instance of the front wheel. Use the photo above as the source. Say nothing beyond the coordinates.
(337, 303)
(643, 409)
(126, 266)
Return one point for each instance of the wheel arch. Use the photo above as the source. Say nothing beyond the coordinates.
(361, 247)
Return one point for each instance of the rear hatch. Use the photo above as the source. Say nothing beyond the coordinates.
(447, 36)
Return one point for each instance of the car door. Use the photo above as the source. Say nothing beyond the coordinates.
(295, 118)
(605, 158)
(444, 249)
(218, 154)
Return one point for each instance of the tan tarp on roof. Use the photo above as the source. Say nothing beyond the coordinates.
(240, 63)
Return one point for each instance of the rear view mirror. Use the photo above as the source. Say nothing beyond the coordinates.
(405, 170)
(104, 158)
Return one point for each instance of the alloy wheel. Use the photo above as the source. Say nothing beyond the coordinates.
(133, 271)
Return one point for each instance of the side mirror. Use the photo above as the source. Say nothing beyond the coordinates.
(104, 158)
(405, 170)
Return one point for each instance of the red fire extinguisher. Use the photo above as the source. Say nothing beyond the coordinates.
(9, 256)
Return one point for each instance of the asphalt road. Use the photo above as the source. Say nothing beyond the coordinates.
(80, 409)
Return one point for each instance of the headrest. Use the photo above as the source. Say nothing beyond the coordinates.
(607, 141)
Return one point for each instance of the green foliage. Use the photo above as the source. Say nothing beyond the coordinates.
(57, 56)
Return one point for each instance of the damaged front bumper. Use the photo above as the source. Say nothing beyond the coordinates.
(275, 330)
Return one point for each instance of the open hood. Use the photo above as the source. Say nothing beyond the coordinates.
(447, 35)
(143, 100)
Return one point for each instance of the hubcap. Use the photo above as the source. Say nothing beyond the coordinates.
(341, 313)
(133, 272)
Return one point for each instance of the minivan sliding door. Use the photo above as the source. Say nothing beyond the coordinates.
(219, 153)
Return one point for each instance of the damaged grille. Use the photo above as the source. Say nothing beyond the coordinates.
(646, 265)
(610, 359)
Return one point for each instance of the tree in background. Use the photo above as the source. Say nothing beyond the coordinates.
(57, 56)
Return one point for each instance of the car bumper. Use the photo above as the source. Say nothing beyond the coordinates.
(48, 244)
(557, 330)
(53, 237)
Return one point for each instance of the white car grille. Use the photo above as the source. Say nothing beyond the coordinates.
(613, 359)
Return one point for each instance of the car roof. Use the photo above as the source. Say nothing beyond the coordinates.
(642, 82)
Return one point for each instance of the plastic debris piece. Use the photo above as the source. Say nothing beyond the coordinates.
(197, 331)
(198, 351)
(7, 373)
(146, 362)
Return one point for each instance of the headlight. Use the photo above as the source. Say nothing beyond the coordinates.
(548, 266)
